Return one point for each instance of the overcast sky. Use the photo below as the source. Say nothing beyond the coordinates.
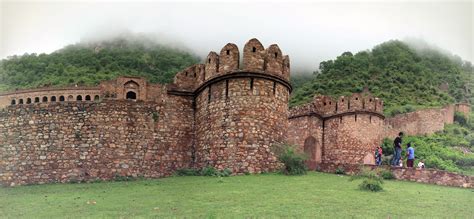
(308, 32)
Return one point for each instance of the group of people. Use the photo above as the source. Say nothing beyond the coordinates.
(397, 154)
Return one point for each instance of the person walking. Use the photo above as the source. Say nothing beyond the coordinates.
(410, 155)
(397, 150)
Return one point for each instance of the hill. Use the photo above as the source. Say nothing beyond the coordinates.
(88, 63)
(406, 78)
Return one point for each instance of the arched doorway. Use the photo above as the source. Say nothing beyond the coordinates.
(313, 150)
(131, 90)
(131, 95)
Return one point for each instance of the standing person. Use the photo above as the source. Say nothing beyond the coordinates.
(397, 149)
(378, 153)
(410, 155)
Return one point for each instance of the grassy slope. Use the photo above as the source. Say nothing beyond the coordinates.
(316, 194)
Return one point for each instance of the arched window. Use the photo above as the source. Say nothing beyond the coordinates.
(79, 98)
(28, 101)
(53, 99)
(37, 99)
(96, 98)
(61, 98)
(88, 98)
(70, 98)
(131, 95)
(45, 99)
(13, 102)
(20, 102)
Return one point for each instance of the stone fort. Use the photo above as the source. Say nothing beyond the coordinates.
(225, 113)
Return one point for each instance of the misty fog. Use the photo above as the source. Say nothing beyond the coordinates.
(308, 32)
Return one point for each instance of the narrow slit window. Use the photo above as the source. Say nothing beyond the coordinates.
(254, 49)
(209, 95)
(251, 83)
(226, 88)
(355, 117)
(274, 88)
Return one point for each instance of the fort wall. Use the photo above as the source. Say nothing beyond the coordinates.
(82, 141)
(420, 122)
(337, 132)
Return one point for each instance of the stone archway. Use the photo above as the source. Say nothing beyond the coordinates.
(131, 90)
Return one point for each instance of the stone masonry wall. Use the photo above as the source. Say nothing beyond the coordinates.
(420, 122)
(238, 122)
(75, 141)
(433, 176)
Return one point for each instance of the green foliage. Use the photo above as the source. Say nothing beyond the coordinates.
(209, 171)
(444, 150)
(372, 181)
(371, 185)
(293, 160)
(90, 63)
(340, 171)
(187, 172)
(460, 118)
(405, 78)
(206, 171)
(386, 174)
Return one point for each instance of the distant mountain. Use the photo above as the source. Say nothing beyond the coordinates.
(89, 63)
(406, 78)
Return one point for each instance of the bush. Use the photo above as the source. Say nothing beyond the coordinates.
(387, 174)
(187, 172)
(340, 171)
(225, 173)
(293, 161)
(371, 185)
(209, 171)
(372, 181)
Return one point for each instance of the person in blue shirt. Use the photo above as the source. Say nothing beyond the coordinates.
(410, 155)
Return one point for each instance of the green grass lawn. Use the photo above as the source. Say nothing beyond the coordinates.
(270, 195)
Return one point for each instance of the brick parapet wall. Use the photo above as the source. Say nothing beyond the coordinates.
(82, 141)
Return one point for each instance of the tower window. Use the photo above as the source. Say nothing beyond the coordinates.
(228, 52)
(251, 84)
(254, 49)
(276, 55)
(227, 88)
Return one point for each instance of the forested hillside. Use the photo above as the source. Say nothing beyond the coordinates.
(90, 63)
(405, 78)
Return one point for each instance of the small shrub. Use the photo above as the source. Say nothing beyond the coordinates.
(209, 171)
(371, 180)
(387, 174)
(187, 172)
(340, 171)
(225, 173)
(293, 161)
(371, 185)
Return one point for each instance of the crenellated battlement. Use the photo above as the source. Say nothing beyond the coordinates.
(326, 106)
(256, 59)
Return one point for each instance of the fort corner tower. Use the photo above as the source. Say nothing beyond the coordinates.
(241, 108)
